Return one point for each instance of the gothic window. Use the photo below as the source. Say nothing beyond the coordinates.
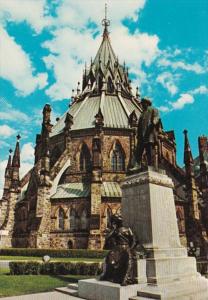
(108, 217)
(117, 159)
(61, 219)
(110, 87)
(72, 219)
(85, 159)
(84, 220)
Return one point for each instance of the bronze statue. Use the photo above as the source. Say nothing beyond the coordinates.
(147, 135)
(121, 262)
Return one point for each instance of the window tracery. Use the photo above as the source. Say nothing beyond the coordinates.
(117, 159)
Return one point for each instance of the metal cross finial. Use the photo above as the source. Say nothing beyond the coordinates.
(105, 21)
(18, 137)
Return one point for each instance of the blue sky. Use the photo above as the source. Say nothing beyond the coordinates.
(44, 46)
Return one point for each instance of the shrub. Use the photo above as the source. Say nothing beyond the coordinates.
(78, 253)
(54, 268)
(26, 268)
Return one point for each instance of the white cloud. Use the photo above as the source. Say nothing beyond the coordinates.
(71, 47)
(6, 131)
(202, 89)
(3, 164)
(32, 11)
(17, 67)
(183, 100)
(195, 67)
(166, 79)
(27, 153)
(164, 108)
(75, 14)
(9, 113)
(24, 168)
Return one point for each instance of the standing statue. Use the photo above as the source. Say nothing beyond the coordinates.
(147, 135)
(121, 262)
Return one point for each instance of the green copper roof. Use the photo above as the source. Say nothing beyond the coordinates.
(111, 189)
(81, 190)
(105, 54)
(115, 112)
(72, 190)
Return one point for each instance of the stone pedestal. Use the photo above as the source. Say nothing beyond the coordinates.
(92, 289)
(148, 209)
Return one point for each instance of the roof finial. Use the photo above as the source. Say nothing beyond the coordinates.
(105, 22)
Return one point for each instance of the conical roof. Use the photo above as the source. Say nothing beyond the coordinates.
(106, 87)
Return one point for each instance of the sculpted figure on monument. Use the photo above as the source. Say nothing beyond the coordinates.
(147, 135)
(121, 262)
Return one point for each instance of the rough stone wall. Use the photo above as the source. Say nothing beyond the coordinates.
(78, 239)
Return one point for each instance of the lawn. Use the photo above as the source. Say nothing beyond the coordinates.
(14, 285)
(65, 259)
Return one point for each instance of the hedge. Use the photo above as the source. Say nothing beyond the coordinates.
(54, 268)
(78, 253)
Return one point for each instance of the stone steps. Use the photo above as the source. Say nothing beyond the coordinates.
(71, 290)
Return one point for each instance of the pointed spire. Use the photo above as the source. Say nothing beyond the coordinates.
(9, 163)
(16, 156)
(188, 158)
(105, 23)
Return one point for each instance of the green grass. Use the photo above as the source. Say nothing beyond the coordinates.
(64, 259)
(14, 285)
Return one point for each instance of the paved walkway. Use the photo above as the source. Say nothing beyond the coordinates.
(43, 296)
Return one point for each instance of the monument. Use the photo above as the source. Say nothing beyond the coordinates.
(148, 209)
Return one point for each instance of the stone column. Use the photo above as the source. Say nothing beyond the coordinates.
(148, 208)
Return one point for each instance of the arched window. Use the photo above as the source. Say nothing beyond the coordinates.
(61, 219)
(85, 159)
(108, 217)
(72, 219)
(117, 159)
(110, 87)
(84, 220)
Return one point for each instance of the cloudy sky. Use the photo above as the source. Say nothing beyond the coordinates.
(44, 45)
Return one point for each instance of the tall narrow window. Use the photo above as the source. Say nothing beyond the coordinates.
(72, 219)
(84, 220)
(117, 159)
(85, 159)
(61, 219)
(108, 217)
(110, 87)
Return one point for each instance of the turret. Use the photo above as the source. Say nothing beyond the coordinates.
(15, 182)
(191, 188)
(8, 172)
(188, 158)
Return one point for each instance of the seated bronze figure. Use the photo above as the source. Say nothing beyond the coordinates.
(121, 262)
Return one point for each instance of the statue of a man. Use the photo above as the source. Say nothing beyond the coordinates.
(147, 134)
